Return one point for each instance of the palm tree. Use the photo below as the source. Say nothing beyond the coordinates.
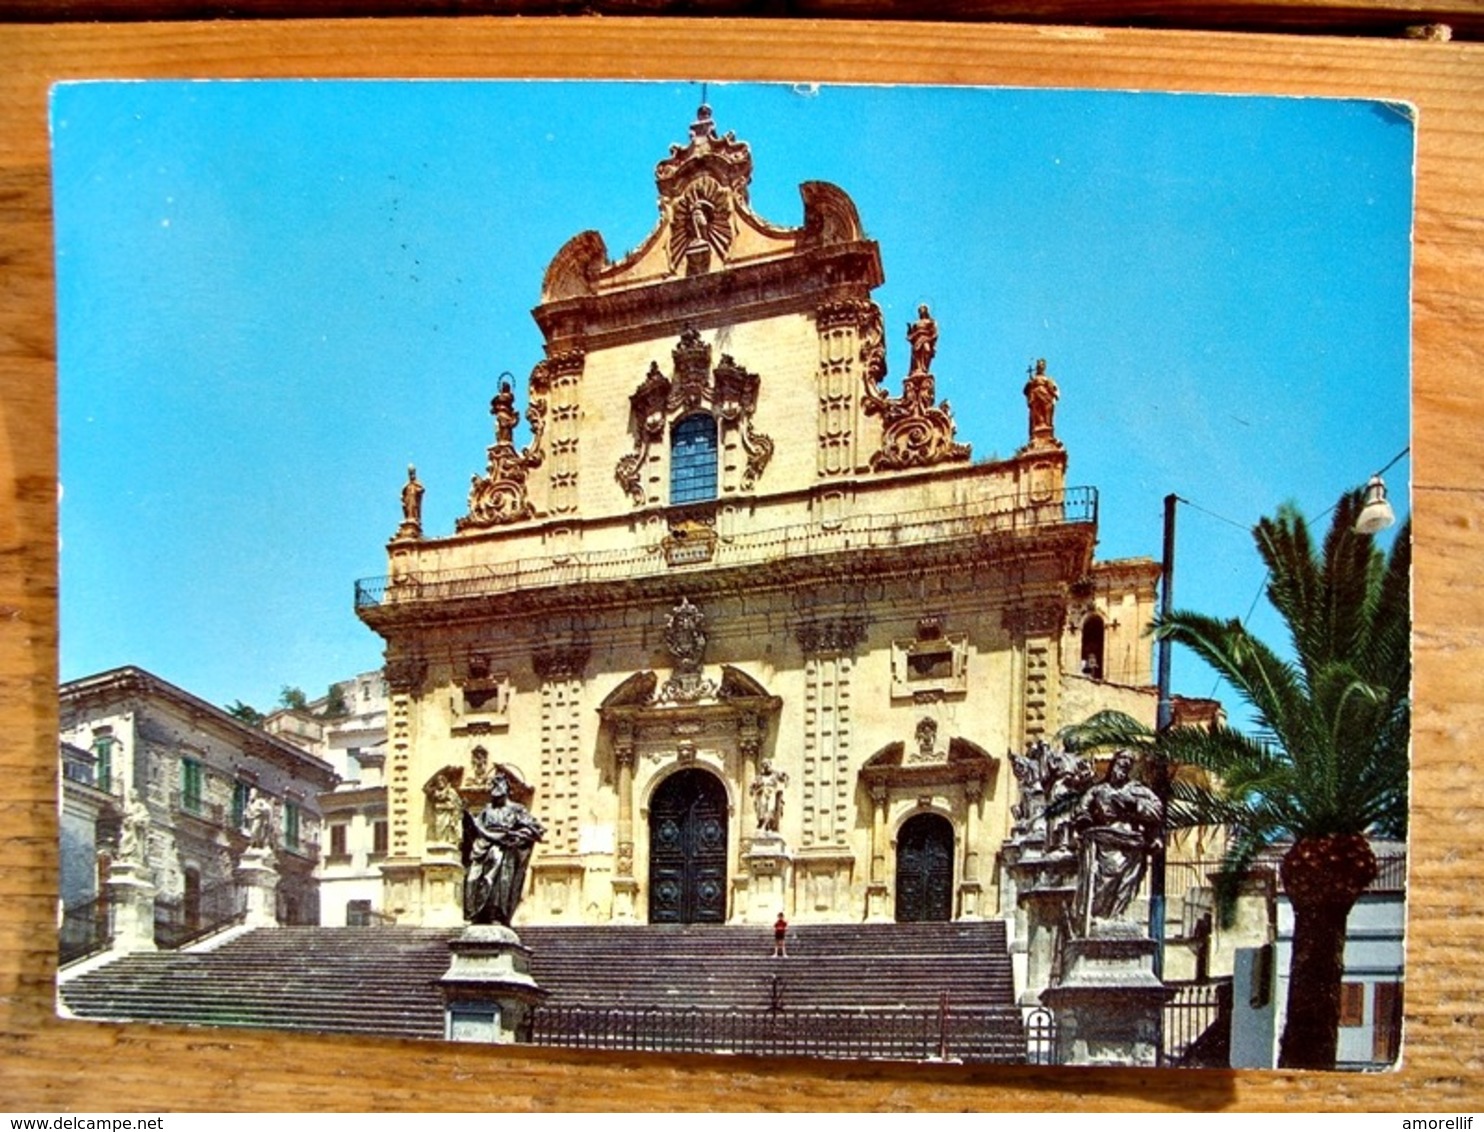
(1325, 767)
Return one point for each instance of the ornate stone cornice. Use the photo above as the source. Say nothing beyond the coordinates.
(1035, 618)
(560, 661)
(405, 674)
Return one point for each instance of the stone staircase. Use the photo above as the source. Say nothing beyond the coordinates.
(383, 980)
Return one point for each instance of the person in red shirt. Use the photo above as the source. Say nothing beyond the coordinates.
(780, 933)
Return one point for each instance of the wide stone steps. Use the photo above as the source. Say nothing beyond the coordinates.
(385, 979)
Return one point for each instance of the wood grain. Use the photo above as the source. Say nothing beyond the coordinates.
(51, 1065)
(1331, 17)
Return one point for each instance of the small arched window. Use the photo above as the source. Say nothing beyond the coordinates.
(1092, 647)
(693, 459)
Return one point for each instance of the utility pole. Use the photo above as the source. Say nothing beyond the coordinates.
(1162, 720)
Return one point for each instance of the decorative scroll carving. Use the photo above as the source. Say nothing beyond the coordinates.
(831, 635)
(499, 496)
(685, 638)
(728, 390)
(917, 433)
(701, 224)
(724, 159)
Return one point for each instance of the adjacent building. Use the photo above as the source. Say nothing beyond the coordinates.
(174, 776)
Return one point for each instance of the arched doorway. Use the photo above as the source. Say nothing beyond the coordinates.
(925, 869)
(688, 850)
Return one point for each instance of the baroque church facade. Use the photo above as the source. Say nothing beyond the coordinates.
(743, 622)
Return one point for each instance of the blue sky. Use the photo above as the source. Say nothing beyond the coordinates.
(273, 296)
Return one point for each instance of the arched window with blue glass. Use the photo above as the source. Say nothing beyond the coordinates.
(693, 459)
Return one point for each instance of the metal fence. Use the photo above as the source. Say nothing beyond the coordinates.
(1002, 515)
(962, 1034)
(180, 922)
(83, 931)
(1197, 1025)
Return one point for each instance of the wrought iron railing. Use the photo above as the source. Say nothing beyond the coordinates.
(1197, 1025)
(968, 1034)
(1008, 514)
(83, 931)
(181, 922)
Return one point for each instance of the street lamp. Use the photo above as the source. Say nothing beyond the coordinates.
(1375, 512)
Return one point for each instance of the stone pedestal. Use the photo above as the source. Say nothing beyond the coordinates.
(1045, 885)
(257, 881)
(488, 991)
(767, 862)
(877, 911)
(1108, 1004)
(442, 875)
(131, 905)
(625, 900)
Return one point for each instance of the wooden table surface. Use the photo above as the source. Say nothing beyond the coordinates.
(53, 1066)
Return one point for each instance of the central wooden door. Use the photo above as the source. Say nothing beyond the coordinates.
(925, 869)
(688, 850)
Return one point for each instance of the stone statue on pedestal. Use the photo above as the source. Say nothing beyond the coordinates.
(497, 846)
(767, 797)
(257, 821)
(1118, 822)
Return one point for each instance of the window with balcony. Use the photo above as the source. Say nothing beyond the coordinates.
(693, 459)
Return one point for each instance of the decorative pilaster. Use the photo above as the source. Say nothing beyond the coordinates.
(625, 887)
(557, 379)
(560, 671)
(839, 381)
(876, 891)
(827, 781)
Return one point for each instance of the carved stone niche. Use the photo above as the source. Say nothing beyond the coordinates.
(482, 702)
(930, 666)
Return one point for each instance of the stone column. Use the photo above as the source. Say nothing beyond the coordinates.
(625, 887)
(971, 891)
(876, 911)
(131, 905)
(488, 992)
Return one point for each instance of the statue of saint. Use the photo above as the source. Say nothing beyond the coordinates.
(506, 418)
(1064, 777)
(412, 498)
(1118, 822)
(922, 335)
(257, 821)
(448, 809)
(134, 832)
(1040, 395)
(767, 797)
(497, 847)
